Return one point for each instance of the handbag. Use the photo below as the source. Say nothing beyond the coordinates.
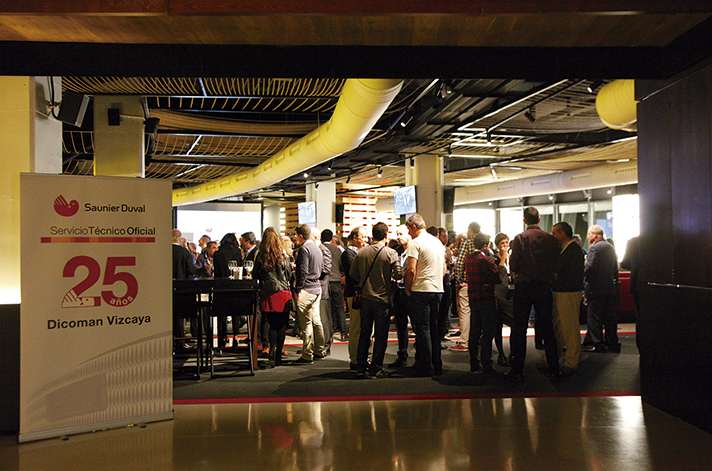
(356, 301)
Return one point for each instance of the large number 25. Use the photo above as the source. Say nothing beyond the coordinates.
(111, 276)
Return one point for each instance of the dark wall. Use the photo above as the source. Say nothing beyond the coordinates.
(674, 180)
(9, 368)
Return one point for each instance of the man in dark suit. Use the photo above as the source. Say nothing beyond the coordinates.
(533, 259)
(600, 291)
(183, 268)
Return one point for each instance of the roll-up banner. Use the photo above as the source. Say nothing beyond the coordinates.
(95, 326)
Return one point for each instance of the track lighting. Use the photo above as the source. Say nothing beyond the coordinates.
(529, 114)
(551, 197)
(380, 172)
(594, 85)
(348, 179)
(306, 174)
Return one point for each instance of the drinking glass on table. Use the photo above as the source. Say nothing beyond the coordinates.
(232, 266)
(248, 268)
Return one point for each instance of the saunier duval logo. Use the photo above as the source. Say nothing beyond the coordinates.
(65, 209)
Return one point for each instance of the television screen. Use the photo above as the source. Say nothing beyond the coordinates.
(404, 200)
(307, 212)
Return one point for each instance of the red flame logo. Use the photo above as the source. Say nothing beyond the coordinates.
(65, 209)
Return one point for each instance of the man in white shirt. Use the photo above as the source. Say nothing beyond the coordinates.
(424, 290)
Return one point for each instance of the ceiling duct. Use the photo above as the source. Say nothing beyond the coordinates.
(361, 104)
(600, 176)
(616, 105)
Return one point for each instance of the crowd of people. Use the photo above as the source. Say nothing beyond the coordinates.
(421, 279)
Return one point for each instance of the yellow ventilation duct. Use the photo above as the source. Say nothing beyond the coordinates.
(362, 103)
(616, 105)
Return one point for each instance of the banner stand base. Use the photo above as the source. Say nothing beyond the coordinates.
(33, 436)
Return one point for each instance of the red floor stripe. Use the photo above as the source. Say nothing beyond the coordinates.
(401, 397)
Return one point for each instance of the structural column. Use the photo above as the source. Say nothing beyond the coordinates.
(428, 178)
(31, 142)
(325, 197)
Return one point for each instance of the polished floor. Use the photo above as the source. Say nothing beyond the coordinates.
(572, 433)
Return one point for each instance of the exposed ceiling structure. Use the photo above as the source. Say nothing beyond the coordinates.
(229, 95)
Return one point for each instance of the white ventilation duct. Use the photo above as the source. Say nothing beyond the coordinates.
(362, 103)
(600, 176)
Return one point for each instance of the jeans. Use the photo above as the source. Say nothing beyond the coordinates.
(338, 316)
(400, 313)
(537, 294)
(483, 323)
(373, 312)
(424, 308)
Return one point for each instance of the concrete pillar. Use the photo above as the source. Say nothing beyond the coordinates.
(30, 141)
(119, 150)
(325, 197)
(428, 179)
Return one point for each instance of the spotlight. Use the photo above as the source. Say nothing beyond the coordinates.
(406, 120)
(551, 197)
(306, 174)
(348, 179)
(489, 137)
(316, 186)
(380, 172)
(330, 166)
(594, 85)
(529, 114)
(610, 191)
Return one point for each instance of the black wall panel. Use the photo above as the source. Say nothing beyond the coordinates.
(674, 181)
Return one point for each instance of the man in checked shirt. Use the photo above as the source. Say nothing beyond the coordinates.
(482, 277)
(463, 302)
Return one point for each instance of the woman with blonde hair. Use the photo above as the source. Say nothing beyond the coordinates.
(274, 271)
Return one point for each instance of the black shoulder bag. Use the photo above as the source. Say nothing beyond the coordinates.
(356, 302)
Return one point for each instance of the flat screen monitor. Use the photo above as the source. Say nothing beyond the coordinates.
(404, 200)
(307, 212)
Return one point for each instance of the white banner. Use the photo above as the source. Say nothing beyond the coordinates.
(95, 328)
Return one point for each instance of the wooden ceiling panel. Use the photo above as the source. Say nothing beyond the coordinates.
(480, 31)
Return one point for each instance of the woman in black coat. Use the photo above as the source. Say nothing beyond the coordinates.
(229, 250)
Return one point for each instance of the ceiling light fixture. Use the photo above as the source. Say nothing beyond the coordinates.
(348, 179)
(594, 85)
(306, 174)
(380, 172)
(551, 197)
(529, 114)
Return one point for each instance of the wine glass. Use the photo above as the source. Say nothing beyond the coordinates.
(232, 266)
(248, 268)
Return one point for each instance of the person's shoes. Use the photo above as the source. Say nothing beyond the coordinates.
(242, 341)
(344, 336)
(285, 353)
(475, 369)
(443, 346)
(438, 372)
(490, 371)
(616, 349)
(265, 351)
(502, 360)
(459, 348)
(353, 366)
(271, 364)
(319, 357)
(302, 361)
(594, 349)
(567, 371)
(399, 363)
(361, 375)
(421, 373)
(555, 374)
(515, 376)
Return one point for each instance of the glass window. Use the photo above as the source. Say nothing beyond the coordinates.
(577, 216)
(510, 221)
(626, 221)
(461, 219)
